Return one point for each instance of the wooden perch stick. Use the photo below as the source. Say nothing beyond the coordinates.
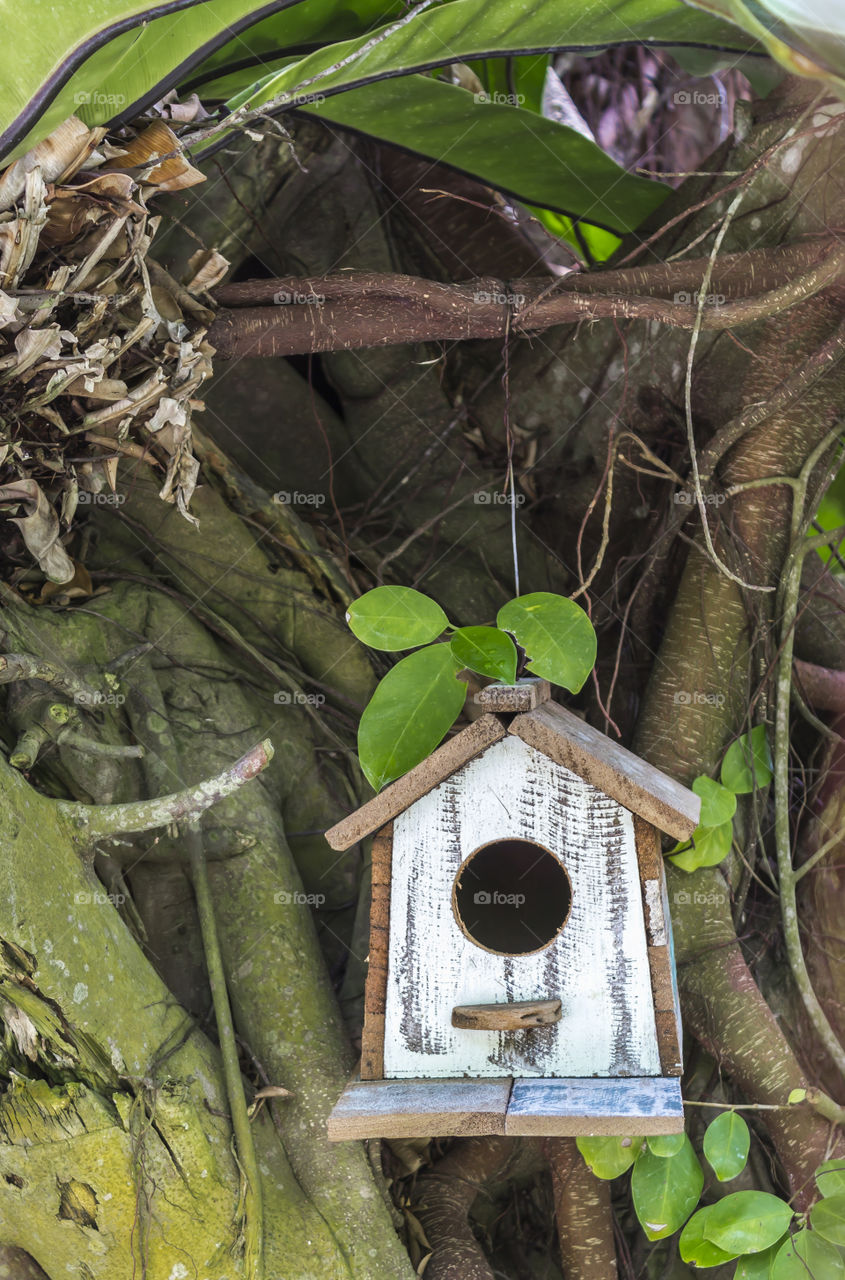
(90, 822)
(294, 316)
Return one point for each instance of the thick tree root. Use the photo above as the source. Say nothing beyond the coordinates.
(583, 1214)
(444, 1198)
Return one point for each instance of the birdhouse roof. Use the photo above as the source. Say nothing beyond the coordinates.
(558, 734)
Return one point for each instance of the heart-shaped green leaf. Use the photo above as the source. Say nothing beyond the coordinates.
(665, 1191)
(726, 1145)
(409, 713)
(718, 805)
(828, 1218)
(396, 618)
(486, 650)
(758, 1266)
(694, 1246)
(556, 634)
(748, 762)
(665, 1144)
(609, 1157)
(748, 1221)
(710, 846)
(807, 1255)
(830, 1177)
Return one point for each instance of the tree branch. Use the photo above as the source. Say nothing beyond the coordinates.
(253, 1200)
(364, 309)
(91, 822)
(787, 877)
(24, 666)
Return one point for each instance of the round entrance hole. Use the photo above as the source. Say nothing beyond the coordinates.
(512, 897)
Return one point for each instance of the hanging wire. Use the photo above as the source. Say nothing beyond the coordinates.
(510, 486)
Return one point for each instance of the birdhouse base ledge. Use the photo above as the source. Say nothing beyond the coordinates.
(562, 1108)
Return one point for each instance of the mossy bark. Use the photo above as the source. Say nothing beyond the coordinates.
(116, 1150)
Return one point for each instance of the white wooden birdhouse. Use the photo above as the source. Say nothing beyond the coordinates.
(521, 976)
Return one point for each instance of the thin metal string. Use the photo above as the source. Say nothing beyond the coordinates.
(510, 486)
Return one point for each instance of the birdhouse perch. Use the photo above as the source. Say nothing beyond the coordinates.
(521, 977)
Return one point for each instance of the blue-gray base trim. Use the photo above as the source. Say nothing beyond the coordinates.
(555, 1107)
(649, 1104)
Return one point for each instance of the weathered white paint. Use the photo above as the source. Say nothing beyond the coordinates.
(598, 964)
(655, 920)
(676, 995)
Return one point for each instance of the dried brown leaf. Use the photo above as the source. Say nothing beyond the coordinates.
(8, 310)
(33, 345)
(206, 268)
(173, 174)
(59, 156)
(19, 237)
(40, 529)
(80, 585)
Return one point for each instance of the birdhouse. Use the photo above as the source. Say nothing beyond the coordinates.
(521, 977)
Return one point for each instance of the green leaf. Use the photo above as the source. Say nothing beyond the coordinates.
(696, 1248)
(536, 160)
(665, 1144)
(748, 762)
(718, 804)
(409, 713)
(600, 243)
(828, 1218)
(665, 1191)
(806, 1256)
(97, 60)
(831, 514)
(517, 151)
(524, 78)
(465, 31)
(555, 633)
(240, 62)
(796, 1095)
(726, 1145)
(748, 1221)
(830, 1177)
(711, 845)
(807, 39)
(758, 1266)
(396, 618)
(117, 49)
(486, 650)
(609, 1157)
